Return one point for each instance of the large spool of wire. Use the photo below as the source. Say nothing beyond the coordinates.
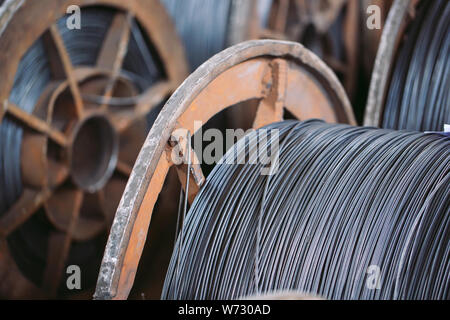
(416, 95)
(342, 201)
(113, 66)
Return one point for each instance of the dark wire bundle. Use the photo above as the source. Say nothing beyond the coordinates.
(202, 25)
(342, 200)
(418, 96)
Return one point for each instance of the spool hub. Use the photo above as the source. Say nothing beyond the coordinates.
(93, 153)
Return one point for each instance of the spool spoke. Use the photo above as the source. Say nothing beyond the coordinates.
(29, 202)
(149, 100)
(35, 123)
(3, 108)
(114, 49)
(61, 65)
(59, 245)
(115, 44)
(110, 198)
(58, 173)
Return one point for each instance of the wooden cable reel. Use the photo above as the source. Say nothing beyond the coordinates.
(281, 75)
(71, 179)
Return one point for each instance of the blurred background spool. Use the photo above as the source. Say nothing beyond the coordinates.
(336, 30)
(409, 86)
(333, 29)
(76, 107)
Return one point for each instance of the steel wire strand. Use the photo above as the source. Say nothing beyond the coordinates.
(343, 199)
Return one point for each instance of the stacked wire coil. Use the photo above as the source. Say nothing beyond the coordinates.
(344, 200)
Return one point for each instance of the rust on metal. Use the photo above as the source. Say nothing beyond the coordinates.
(68, 69)
(235, 75)
(59, 245)
(22, 210)
(37, 124)
(116, 42)
(390, 39)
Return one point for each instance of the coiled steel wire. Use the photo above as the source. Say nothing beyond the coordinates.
(344, 199)
(418, 96)
(202, 25)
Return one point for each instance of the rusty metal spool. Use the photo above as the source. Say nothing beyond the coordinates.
(207, 27)
(401, 18)
(281, 76)
(81, 137)
(370, 38)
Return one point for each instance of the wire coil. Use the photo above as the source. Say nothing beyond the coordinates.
(418, 96)
(343, 199)
(202, 24)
